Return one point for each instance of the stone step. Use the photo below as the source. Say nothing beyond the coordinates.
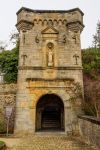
(50, 126)
(50, 122)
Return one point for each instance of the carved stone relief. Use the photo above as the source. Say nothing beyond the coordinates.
(24, 59)
(73, 36)
(76, 59)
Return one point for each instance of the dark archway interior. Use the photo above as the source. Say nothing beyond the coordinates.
(50, 113)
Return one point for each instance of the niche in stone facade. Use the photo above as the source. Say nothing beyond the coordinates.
(50, 54)
(49, 39)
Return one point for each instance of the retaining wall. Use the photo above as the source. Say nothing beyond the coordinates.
(89, 128)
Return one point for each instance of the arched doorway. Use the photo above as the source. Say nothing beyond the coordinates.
(50, 113)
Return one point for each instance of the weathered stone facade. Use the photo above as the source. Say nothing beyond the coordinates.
(7, 98)
(49, 66)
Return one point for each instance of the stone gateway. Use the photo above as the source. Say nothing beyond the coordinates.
(49, 70)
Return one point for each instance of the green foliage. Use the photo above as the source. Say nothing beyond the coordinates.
(2, 144)
(91, 70)
(91, 62)
(89, 109)
(9, 63)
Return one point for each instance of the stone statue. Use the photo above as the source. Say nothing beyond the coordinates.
(50, 54)
(50, 58)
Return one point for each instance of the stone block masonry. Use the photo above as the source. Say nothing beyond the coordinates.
(49, 68)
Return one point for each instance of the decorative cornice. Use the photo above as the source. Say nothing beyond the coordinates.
(50, 22)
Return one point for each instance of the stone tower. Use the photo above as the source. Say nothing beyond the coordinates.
(49, 71)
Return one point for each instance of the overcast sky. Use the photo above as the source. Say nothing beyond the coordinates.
(91, 9)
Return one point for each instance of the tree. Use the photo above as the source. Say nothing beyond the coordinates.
(9, 61)
(8, 64)
(92, 97)
(91, 70)
(91, 62)
(14, 37)
(3, 45)
(96, 36)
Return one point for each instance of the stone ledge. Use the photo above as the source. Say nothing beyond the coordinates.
(91, 119)
(54, 68)
(56, 79)
(9, 92)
